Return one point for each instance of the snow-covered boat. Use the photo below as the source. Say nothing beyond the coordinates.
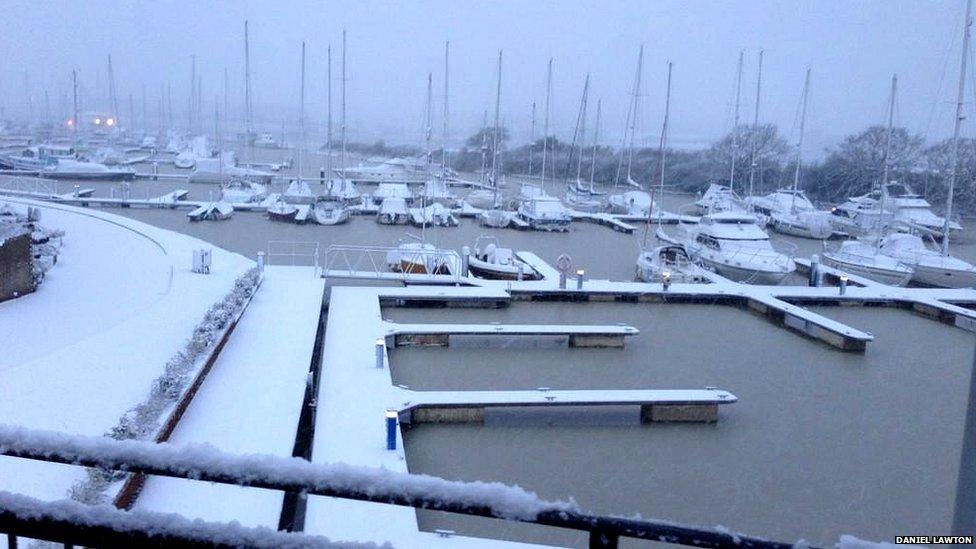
(266, 141)
(214, 211)
(393, 211)
(718, 198)
(385, 191)
(484, 199)
(860, 215)
(185, 160)
(282, 211)
(931, 268)
(864, 259)
(669, 261)
(298, 192)
(341, 189)
(635, 203)
(545, 213)
(912, 209)
(222, 169)
(243, 191)
(436, 190)
(329, 212)
(419, 258)
(736, 247)
(435, 215)
(496, 218)
(583, 201)
(493, 262)
(395, 170)
(76, 169)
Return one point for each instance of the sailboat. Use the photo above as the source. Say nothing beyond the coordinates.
(863, 256)
(338, 188)
(578, 196)
(631, 202)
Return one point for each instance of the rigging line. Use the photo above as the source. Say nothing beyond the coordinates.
(945, 67)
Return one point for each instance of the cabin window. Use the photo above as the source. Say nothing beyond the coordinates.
(707, 241)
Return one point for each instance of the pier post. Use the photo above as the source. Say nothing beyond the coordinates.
(843, 285)
(815, 270)
(580, 273)
(155, 171)
(391, 425)
(261, 261)
(666, 280)
(380, 351)
(465, 260)
(322, 176)
(562, 280)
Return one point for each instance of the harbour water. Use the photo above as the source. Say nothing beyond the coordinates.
(821, 442)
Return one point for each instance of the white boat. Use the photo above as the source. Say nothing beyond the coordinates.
(583, 201)
(860, 215)
(634, 203)
(420, 258)
(436, 215)
(912, 209)
(718, 198)
(266, 141)
(214, 211)
(436, 190)
(671, 262)
(496, 218)
(863, 259)
(338, 188)
(243, 191)
(148, 142)
(396, 170)
(328, 212)
(185, 160)
(393, 211)
(493, 262)
(76, 169)
(108, 156)
(282, 211)
(931, 268)
(298, 192)
(482, 198)
(392, 190)
(789, 211)
(733, 245)
(545, 213)
(222, 169)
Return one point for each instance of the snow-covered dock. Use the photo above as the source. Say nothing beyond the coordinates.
(441, 335)
(604, 219)
(656, 405)
(250, 401)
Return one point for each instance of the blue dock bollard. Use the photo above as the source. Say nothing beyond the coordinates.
(391, 426)
(666, 280)
(580, 274)
(843, 285)
(814, 270)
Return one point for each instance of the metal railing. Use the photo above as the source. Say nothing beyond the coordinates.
(393, 263)
(293, 252)
(28, 185)
(22, 516)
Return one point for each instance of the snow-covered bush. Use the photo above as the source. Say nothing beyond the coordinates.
(142, 422)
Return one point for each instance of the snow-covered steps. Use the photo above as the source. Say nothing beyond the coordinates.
(443, 335)
(656, 405)
(539, 265)
(251, 400)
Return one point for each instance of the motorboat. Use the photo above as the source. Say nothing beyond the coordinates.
(669, 262)
(185, 160)
(496, 218)
(912, 209)
(76, 169)
(733, 245)
(931, 267)
(482, 198)
(436, 215)
(718, 198)
(860, 215)
(393, 211)
(395, 170)
(789, 211)
(863, 258)
(420, 258)
(545, 213)
(631, 203)
(222, 169)
(493, 262)
(243, 191)
(214, 211)
(330, 212)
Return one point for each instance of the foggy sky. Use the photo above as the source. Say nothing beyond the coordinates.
(852, 47)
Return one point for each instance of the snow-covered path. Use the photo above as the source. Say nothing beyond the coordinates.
(85, 348)
(250, 401)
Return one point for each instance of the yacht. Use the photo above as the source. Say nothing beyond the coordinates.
(545, 213)
(863, 258)
(632, 203)
(583, 201)
(493, 262)
(717, 198)
(341, 189)
(789, 211)
(330, 212)
(76, 169)
(912, 209)
(282, 211)
(436, 190)
(435, 214)
(496, 218)
(396, 170)
(185, 160)
(243, 191)
(733, 245)
(931, 267)
(860, 215)
(669, 261)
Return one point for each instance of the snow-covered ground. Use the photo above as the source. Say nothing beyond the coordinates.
(250, 401)
(86, 346)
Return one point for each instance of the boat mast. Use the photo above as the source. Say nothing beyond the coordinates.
(545, 124)
(887, 154)
(495, 142)
(220, 153)
(755, 126)
(735, 123)
(799, 143)
(445, 164)
(635, 113)
(74, 91)
(342, 128)
(301, 120)
(248, 138)
(954, 156)
(111, 93)
(596, 138)
(582, 128)
(429, 121)
(328, 131)
(193, 84)
(532, 139)
(663, 146)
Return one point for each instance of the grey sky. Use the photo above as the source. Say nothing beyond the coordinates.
(853, 48)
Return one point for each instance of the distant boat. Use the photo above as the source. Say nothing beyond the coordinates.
(329, 212)
(545, 213)
(393, 211)
(492, 262)
(392, 190)
(436, 190)
(718, 198)
(76, 169)
(435, 215)
(496, 218)
(185, 160)
(419, 258)
(266, 141)
(243, 191)
(632, 203)
(789, 211)
(671, 262)
(214, 211)
(282, 211)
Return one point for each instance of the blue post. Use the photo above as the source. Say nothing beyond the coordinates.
(843, 285)
(580, 273)
(380, 348)
(391, 425)
(814, 270)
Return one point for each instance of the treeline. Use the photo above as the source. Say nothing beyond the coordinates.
(851, 168)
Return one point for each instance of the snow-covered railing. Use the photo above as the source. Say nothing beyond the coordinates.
(378, 485)
(289, 252)
(420, 264)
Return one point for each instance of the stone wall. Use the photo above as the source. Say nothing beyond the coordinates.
(16, 276)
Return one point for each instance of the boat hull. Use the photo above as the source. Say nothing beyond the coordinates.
(941, 277)
(489, 271)
(741, 274)
(884, 276)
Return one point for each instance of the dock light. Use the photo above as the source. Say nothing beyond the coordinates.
(71, 122)
(380, 349)
(391, 425)
(110, 122)
(98, 121)
(843, 285)
(666, 280)
(580, 273)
